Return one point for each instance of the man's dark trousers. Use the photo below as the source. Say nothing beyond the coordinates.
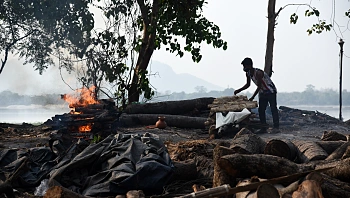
(272, 100)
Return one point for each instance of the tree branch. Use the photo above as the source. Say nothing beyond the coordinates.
(8, 48)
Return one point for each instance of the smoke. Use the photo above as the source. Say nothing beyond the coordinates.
(24, 80)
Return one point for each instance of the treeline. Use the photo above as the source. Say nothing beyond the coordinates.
(9, 98)
(310, 96)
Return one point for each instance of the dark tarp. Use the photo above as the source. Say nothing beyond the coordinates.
(113, 166)
(116, 165)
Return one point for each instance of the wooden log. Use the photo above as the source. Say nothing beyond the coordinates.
(170, 107)
(340, 171)
(265, 191)
(135, 194)
(61, 192)
(281, 148)
(263, 166)
(346, 153)
(330, 146)
(332, 187)
(247, 144)
(171, 120)
(225, 99)
(333, 136)
(220, 176)
(184, 171)
(309, 151)
(339, 152)
(307, 189)
(235, 108)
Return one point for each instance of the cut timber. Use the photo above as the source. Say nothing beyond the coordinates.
(170, 107)
(263, 166)
(265, 191)
(333, 136)
(346, 153)
(307, 189)
(281, 148)
(332, 187)
(227, 99)
(171, 120)
(309, 151)
(330, 146)
(231, 103)
(220, 176)
(61, 192)
(339, 152)
(236, 108)
(247, 144)
(340, 171)
(184, 170)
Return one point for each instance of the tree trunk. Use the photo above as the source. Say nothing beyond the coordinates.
(184, 170)
(281, 148)
(220, 176)
(332, 187)
(339, 152)
(193, 106)
(263, 166)
(171, 120)
(308, 188)
(265, 191)
(270, 36)
(330, 146)
(309, 151)
(147, 48)
(247, 144)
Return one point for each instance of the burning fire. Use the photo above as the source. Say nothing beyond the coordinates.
(86, 128)
(82, 97)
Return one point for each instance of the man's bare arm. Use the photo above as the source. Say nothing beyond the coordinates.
(246, 86)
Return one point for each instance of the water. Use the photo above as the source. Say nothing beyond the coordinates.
(39, 114)
(30, 113)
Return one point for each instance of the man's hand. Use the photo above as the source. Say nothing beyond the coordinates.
(251, 98)
(236, 92)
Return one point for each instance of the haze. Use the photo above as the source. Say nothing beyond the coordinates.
(299, 59)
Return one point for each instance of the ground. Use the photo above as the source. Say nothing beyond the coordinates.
(28, 136)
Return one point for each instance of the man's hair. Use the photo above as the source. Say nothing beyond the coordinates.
(247, 61)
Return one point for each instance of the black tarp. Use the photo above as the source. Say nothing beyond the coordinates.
(113, 166)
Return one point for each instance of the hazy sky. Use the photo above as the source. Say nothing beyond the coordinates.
(299, 59)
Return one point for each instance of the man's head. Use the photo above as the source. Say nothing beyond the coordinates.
(247, 64)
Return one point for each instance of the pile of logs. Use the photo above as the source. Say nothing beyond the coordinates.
(181, 114)
(232, 103)
(304, 116)
(288, 168)
(228, 104)
(87, 120)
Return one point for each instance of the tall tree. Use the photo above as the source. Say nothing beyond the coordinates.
(160, 23)
(35, 28)
(318, 27)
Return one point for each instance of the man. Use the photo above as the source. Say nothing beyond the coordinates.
(266, 89)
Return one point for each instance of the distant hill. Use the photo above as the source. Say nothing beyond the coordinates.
(165, 79)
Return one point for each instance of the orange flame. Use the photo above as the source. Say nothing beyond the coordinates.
(82, 97)
(85, 128)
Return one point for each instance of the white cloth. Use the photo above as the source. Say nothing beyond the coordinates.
(231, 117)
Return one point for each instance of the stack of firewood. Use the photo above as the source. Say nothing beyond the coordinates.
(288, 168)
(232, 103)
(87, 120)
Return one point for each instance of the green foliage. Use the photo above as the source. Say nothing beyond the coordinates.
(318, 27)
(96, 139)
(34, 28)
(145, 26)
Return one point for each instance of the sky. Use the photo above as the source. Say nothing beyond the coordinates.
(299, 59)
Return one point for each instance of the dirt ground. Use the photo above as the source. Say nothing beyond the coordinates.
(28, 136)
